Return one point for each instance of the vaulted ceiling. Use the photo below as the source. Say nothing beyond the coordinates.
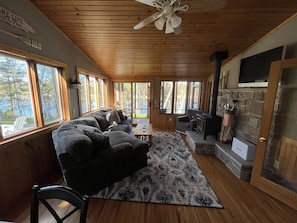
(103, 29)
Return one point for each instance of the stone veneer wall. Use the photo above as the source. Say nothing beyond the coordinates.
(248, 113)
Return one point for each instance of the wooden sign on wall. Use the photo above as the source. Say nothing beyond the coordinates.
(15, 20)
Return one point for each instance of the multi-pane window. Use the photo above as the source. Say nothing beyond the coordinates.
(83, 93)
(177, 96)
(92, 92)
(30, 95)
(180, 95)
(101, 93)
(132, 98)
(166, 97)
(194, 95)
(48, 79)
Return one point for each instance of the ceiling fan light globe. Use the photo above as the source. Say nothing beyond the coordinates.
(178, 30)
(159, 24)
(175, 20)
(169, 28)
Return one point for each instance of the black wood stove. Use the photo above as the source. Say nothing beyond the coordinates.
(210, 124)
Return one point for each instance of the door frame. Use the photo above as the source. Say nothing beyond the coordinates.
(277, 191)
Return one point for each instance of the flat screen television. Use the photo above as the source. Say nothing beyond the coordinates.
(254, 70)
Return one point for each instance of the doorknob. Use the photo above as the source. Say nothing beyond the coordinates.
(262, 139)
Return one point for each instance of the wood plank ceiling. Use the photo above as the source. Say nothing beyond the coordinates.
(104, 31)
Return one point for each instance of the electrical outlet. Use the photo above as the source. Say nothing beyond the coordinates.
(170, 119)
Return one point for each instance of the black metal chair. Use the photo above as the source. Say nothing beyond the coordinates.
(43, 194)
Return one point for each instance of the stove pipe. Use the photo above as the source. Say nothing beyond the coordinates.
(217, 57)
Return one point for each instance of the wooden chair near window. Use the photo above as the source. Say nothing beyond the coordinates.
(18, 125)
(44, 194)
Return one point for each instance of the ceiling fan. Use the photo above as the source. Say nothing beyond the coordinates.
(167, 10)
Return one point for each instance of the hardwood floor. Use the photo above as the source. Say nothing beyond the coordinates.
(242, 203)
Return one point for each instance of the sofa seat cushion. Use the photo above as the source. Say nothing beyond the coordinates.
(127, 122)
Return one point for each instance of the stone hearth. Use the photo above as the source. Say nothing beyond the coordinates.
(241, 168)
(199, 145)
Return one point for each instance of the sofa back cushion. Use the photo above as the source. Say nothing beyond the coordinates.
(83, 128)
(86, 120)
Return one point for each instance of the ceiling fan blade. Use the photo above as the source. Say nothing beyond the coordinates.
(159, 24)
(148, 20)
(175, 20)
(183, 8)
(178, 30)
(169, 28)
(146, 2)
(172, 2)
(205, 5)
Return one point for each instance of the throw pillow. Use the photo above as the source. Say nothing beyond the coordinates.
(100, 141)
(113, 116)
(103, 123)
(121, 115)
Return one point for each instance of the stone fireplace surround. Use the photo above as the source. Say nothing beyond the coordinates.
(248, 110)
(248, 113)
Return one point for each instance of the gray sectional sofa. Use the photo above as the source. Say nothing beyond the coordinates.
(97, 150)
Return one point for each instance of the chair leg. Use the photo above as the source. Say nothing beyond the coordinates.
(34, 205)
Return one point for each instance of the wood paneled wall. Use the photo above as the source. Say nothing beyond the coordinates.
(24, 162)
(287, 160)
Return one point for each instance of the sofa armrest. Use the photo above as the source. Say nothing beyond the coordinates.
(183, 118)
(105, 167)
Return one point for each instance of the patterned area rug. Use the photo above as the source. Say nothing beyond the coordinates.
(172, 176)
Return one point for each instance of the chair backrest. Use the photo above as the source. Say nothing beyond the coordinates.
(43, 194)
(19, 123)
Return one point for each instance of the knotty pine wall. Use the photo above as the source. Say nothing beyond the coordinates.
(24, 162)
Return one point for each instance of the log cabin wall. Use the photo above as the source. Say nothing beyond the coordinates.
(24, 162)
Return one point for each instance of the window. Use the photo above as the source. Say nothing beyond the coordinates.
(133, 98)
(194, 95)
(180, 95)
(83, 93)
(92, 92)
(30, 95)
(166, 97)
(48, 79)
(177, 96)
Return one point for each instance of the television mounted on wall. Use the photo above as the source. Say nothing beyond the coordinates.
(254, 70)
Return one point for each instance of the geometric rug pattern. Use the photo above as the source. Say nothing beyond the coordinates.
(172, 176)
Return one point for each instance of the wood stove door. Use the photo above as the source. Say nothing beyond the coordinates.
(275, 165)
